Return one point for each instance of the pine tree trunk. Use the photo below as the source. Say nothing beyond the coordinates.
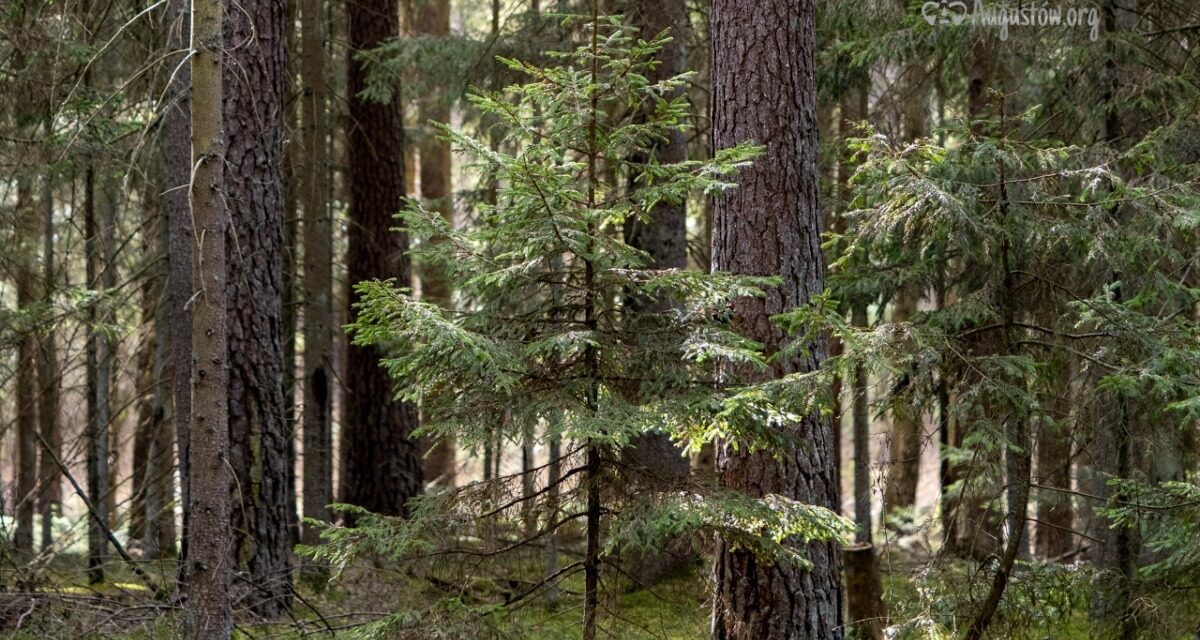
(145, 421)
(27, 369)
(381, 465)
(208, 611)
(433, 19)
(907, 437)
(176, 146)
(908, 433)
(291, 231)
(27, 372)
(49, 475)
(864, 592)
(550, 549)
(861, 420)
(159, 538)
(864, 585)
(143, 431)
(98, 375)
(853, 108)
(151, 516)
(253, 86)
(318, 275)
(764, 90)
(1115, 554)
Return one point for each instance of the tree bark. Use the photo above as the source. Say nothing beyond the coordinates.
(158, 539)
(49, 475)
(143, 429)
(864, 585)
(1115, 554)
(253, 86)
(27, 371)
(151, 513)
(433, 19)
(318, 275)
(25, 223)
(291, 233)
(98, 374)
(176, 150)
(904, 456)
(861, 419)
(208, 612)
(864, 590)
(381, 465)
(764, 89)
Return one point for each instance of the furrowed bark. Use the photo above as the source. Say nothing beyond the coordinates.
(381, 465)
(253, 84)
(176, 146)
(764, 90)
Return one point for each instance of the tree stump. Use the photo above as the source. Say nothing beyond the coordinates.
(864, 592)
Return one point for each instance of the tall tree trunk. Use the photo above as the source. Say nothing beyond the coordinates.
(145, 423)
(593, 466)
(493, 447)
(1115, 554)
(861, 419)
(764, 89)
(830, 127)
(433, 19)
(208, 611)
(158, 539)
(908, 433)
(143, 431)
(98, 376)
(864, 586)
(152, 518)
(27, 370)
(550, 548)
(381, 465)
(253, 86)
(318, 275)
(49, 475)
(26, 219)
(291, 232)
(176, 150)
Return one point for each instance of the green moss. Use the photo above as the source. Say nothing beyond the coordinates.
(676, 609)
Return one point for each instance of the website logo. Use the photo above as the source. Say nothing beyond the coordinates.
(1002, 16)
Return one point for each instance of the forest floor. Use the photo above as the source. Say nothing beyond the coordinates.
(431, 602)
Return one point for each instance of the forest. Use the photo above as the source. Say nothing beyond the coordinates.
(584, 319)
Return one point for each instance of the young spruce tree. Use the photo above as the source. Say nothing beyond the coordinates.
(544, 335)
